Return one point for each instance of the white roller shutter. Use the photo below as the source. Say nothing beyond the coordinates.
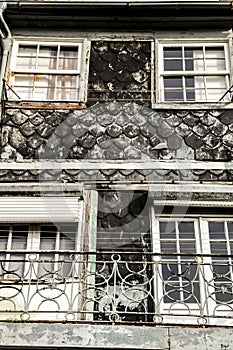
(40, 209)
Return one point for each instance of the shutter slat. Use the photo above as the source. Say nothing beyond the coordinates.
(40, 209)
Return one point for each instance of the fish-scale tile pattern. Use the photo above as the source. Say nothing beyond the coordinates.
(120, 70)
(109, 131)
(102, 176)
(208, 133)
(117, 131)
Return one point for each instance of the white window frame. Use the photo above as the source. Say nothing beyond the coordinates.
(38, 211)
(206, 291)
(33, 244)
(161, 73)
(10, 251)
(81, 72)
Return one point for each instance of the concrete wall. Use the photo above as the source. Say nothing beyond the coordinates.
(113, 337)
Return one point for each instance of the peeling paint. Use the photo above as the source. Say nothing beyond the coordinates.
(130, 337)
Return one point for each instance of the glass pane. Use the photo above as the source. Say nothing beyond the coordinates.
(216, 87)
(47, 58)
(4, 236)
(168, 246)
(173, 89)
(167, 230)
(66, 87)
(19, 237)
(68, 234)
(46, 87)
(198, 56)
(23, 86)
(168, 237)
(48, 52)
(170, 52)
(200, 91)
(173, 59)
(230, 229)
(189, 64)
(219, 247)
(48, 235)
(66, 243)
(18, 242)
(26, 57)
(186, 230)
(187, 239)
(215, 59)
(216, 82)
(68, 58)
(27, 50)
(216, 230)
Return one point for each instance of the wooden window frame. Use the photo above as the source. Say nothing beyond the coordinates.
(80, 73)
(161, 73)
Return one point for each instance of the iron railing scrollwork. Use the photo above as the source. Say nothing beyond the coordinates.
(117, 288)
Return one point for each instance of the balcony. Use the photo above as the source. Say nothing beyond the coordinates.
(117, 288)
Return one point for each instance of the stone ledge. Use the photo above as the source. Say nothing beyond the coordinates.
(82, 335)
(53, 335)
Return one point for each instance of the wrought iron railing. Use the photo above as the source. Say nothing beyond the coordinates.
(119, 287)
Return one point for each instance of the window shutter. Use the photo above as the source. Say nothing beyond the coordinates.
(40, 209)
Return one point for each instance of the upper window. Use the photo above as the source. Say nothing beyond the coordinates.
(47, 71)
(194, 72)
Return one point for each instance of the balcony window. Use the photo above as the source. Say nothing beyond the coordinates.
(49, 246)
(13, 244)
(169, 269)
(195, 265)
(44, 71)
(57, 246)
(194, 72)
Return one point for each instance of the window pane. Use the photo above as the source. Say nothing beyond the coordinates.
(4, 236)
(48, 235)
(23, 86)
(18, 242)
(27, 50)
(189, 88)
(216, 87)
(168, 237)
(19, 237)
(47, 58)
(199, 64)
(167, 230)
(216, 230)
(173, 90)
(230, 231)
(188, 54)
(26, 57)
(68, 58)
(173, 59)
(215, 59)
(67, 242)
(186, 230)
(66, 87)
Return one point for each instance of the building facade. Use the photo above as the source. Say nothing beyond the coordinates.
(116, 203)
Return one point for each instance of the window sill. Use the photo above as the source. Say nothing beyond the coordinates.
(45, 105)
(193, 105)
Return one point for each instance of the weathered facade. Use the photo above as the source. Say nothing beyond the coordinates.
(116, 173)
